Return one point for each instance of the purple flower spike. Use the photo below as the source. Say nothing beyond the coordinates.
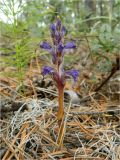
(57, 50)
(45, 46)
(47, 70)
(73, 73)
(70, 45)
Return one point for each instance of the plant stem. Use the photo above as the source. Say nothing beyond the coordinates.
(60, 115)
(60, 103)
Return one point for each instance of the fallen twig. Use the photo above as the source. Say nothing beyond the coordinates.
(113, 71)
(110, 112)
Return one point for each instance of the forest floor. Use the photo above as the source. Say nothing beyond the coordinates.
(29, 127)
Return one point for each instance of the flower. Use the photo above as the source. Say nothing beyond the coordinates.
(45, 46)
(58, 24)
(52, 28)
(47, 70)
(63, 30)
(70, 45)
(60, 48)
(74, 73)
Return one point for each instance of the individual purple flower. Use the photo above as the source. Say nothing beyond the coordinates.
(47, 70)
(60, 48)
(63, 30)
(54, 57)
(58, 24)
(70, 45)
(52, 28)
(74, 73)
(45, 45)
(57, 38)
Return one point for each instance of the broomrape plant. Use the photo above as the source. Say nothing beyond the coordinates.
(57, 50)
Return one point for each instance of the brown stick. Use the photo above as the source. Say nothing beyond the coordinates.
(113, 70)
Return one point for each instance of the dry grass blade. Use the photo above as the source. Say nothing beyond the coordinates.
(46, 136)
(23, 134)
(14, 140)
(11, 150)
